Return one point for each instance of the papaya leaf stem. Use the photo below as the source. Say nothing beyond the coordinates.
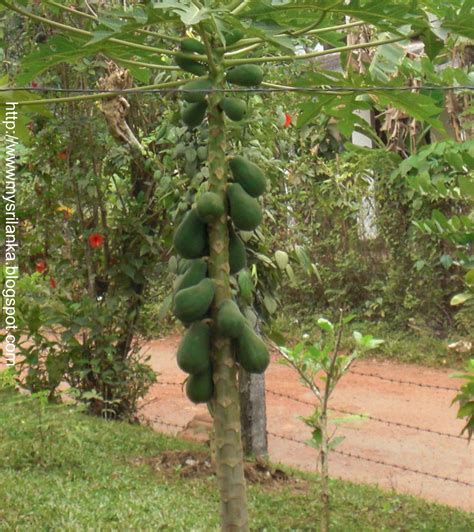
(85, 33)
(101, 95)
(95, 18)
(316, 31)
(311, 55)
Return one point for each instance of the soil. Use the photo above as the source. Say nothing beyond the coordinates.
(168, 410)
(198, 464)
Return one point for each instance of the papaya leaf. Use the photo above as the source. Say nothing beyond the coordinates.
(418, 106)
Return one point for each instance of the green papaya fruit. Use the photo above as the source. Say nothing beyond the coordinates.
(252, 353)
(192, 304)
(192, 46)
(194, 274)
(202, 153)
(194, 352)
(248, 175)
(233, 36)
(190, 65)
(198, 90)
(210, 207)
(193, 114)
(230, 321)
(245, 211)
(234, 108)
(190, 238)
(200, 388)
(237, 253)
(245, 75)
(183, 265)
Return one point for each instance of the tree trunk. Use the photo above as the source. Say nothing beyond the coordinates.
(253, 414)
(225, 404)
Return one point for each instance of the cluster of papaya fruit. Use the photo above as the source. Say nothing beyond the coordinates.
(240, 210)
(195, 92)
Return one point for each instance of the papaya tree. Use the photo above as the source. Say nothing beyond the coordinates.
(229, 48)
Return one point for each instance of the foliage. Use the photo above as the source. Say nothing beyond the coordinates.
(465, 398)
(92, 240)
(320, 366)
(442, 174)
(105, 479)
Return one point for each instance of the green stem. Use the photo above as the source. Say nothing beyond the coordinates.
(146, 65)
(85, 33)
(302, 91)
(345, 26)
(101, 95)
(283, 58)
(207, 45)
(240, 7)
(225, 404)
(256, 40)
(243, 50)
(92, 17)
(311, 27)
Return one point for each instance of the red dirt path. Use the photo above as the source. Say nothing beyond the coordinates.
(422, 407)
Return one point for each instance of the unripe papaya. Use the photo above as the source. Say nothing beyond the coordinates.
(193, 113)
(190, 238)
(233, 36)
(192, 304)
(237, 253)
(202, 153)
(200, 388)
(190, 65)
(183, 265)
(252, 353)
(230, 320)
(245, 75)
(192, 46)
(245, 211)
(210, 207)
(194, 352)
(234, 108)
(198, 90)
(248, 175)
(194, 274)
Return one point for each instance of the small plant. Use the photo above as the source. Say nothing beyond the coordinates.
(465, 398)
(323, 362)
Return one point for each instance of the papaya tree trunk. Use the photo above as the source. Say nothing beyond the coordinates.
(225, 404)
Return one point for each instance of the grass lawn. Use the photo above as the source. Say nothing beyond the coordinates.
(62, 470)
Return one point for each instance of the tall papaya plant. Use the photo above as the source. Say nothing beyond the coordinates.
(219, 335)
(223, 53)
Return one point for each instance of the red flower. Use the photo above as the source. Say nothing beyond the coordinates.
(96, 240)
(34, 84)
(31, 126)
(40, 266)
(62, 155)
(52, 282)
(287, 120)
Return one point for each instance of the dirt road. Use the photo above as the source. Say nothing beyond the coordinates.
(423, 407)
